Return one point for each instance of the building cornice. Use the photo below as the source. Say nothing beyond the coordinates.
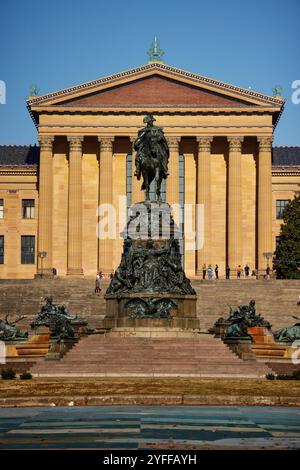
(286, 171)
(16, 170)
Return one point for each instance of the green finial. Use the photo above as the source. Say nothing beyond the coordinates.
(155, 53)
(277, 90)
(34, 90)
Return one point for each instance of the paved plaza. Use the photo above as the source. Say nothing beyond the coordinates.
(139, 427)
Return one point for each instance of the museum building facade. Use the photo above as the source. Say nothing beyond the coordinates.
(221, 159)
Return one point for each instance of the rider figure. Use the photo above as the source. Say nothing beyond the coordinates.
(159, 146)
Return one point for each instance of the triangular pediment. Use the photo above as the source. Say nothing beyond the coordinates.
(154, 85)
(157, 91)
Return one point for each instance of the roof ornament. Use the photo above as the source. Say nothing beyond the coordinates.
(34, 90)
(277, 91)
(155, 53)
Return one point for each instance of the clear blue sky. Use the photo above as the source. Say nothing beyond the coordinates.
(58, 43)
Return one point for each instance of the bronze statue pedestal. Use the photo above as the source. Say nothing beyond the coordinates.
(149, 289)
(119, 314)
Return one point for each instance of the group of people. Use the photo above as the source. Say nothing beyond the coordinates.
(100, 276)
(210, 272)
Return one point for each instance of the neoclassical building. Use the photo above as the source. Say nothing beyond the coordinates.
(221, 158)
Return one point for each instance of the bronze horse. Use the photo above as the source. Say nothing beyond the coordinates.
(152, 157)
(151, 170)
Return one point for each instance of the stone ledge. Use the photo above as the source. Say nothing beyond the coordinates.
(151, 400)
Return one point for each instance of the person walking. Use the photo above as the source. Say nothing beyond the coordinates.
(97, 285)
(217, 271)
(204, 271)
(247, 270)
(209, 272)
(238, 271)
(227, 272)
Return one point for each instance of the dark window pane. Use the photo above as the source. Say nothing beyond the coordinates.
(27, 249)
(1, 249)
(280, 205)
(1, 208)
(129, 172)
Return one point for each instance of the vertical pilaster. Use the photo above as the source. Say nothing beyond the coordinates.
(137, 193)
(45, 242)
(234, 229)
(172, 183)
(203, 192)
(75, 207)
(264, 229)
(105, 245)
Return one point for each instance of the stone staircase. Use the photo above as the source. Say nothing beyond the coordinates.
(106, 355)
(276, 300)
(102, 355)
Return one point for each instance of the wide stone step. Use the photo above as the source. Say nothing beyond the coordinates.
(108, 356)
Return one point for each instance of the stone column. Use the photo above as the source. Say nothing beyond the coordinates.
(264, 229)
(105, 245)
(172, 184)
(75, 207)
(203, 192)
(136, 192)
(234, 225)
(45, 204)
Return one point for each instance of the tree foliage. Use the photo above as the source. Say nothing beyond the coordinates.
(287, 254)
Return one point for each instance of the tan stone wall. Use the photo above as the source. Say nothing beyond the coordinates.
(190, 213)
(90, 180)
(13, 226)
(60, 207)
(248, 195)
(218, 208)
(283, 187)
(177, 124)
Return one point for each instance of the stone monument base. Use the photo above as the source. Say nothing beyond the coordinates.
(119, 313)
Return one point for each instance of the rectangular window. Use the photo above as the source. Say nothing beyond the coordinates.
(181, 202)
(1, 249)
(1, 208)
(129, 172)
(27, 249)
(280, 205)
(28, 208)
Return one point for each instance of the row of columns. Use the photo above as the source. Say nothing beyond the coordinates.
(234, 202)
(203, 191)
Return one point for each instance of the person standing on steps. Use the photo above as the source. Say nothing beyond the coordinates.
(97, 285)
(204, 271)
(238, 271)
(217, 271)
(209, 272)
(227, 272)
(268, 270)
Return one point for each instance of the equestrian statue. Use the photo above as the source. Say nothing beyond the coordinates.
(152, 156)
